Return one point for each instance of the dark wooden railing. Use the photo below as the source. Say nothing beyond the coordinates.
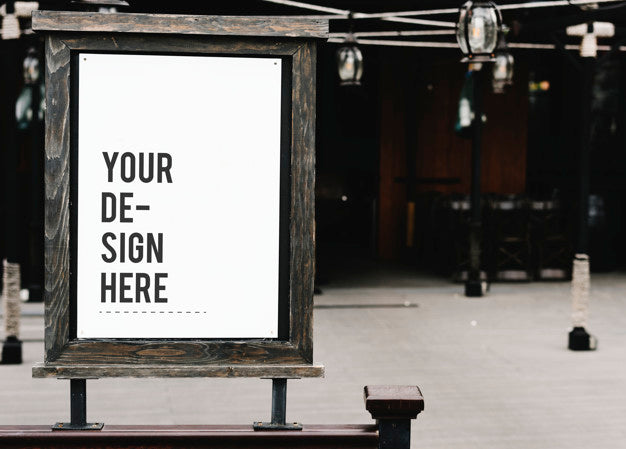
(392, 406)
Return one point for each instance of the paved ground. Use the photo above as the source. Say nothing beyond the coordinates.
(495, 372)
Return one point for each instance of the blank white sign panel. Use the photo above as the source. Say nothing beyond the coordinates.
(178, 197)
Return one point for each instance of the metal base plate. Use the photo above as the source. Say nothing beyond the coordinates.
(580, 340)
(473, 289)
(12, 351)
(70, 426)
(273, 426)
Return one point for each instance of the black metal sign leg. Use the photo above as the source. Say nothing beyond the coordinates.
(279, 401)
(78, 404)
(78, 409)
(279, 409)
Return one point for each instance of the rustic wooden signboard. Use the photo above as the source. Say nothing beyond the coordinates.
(179, 195)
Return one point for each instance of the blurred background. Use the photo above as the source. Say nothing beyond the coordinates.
(394, 204)
(393, 176)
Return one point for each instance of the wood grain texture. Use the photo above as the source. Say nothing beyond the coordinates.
(392, 195)
(303, 198)
(440, 153)
(270, 46)
(140, 371)
(180, 352)
(57, 191)
(186, 436)
(179, 24)
(417, 137)
(217, 356)
(393, 401)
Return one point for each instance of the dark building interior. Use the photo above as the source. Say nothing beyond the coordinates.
(393, 177)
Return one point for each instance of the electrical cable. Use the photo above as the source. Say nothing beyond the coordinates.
(343, 14)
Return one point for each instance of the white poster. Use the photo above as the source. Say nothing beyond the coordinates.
(178, 196)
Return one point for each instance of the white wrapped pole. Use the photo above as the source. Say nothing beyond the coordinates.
(11, 299)
(579, 338)
(12, 347)
(580, 290)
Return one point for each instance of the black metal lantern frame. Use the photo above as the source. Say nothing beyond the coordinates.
(350, 59)
(350, 63)
(473, 52)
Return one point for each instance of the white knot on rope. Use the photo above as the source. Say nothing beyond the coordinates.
(580, 290)
(11, 298)
(10, 27)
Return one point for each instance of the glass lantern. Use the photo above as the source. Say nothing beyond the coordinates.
(31, 67)
(478, 30)
(350, 63)
(502, 71)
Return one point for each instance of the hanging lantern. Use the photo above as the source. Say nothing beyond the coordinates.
(31, 67)
(25, 107)
(478, 30)
(502, 72)
(350, 63)
(502, 67)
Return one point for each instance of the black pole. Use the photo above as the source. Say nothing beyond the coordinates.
(36, 232)
(11, 152)
(582, 243)
(78, 409)
(78, 402)
(473, 287)
(12, 346)
(279, 401)
(579, 339)
(279, 409)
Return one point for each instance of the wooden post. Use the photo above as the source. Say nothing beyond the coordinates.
(394, 406)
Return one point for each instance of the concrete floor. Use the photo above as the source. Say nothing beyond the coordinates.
(494, 371)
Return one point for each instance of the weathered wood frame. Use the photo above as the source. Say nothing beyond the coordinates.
(68, 357)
